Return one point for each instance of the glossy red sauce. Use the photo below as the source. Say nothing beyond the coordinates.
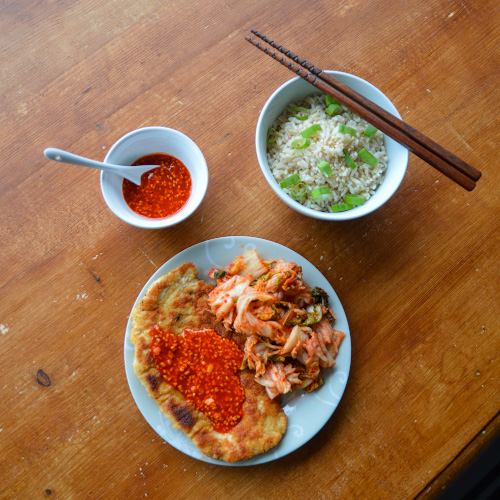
(163, 191)
(203, 366)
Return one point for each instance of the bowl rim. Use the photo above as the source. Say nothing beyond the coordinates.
(144, 222)
(329, 216)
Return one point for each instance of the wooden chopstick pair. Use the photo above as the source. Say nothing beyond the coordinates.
(438, 157)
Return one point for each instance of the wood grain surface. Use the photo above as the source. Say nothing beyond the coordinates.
(419, 278)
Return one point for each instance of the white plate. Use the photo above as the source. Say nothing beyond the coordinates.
(307, 412)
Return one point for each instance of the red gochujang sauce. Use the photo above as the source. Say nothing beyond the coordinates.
(203, 366)
(164, 190)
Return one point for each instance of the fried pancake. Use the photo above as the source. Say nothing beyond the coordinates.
(175, 302)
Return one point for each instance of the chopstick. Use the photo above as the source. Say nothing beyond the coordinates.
(438, 157)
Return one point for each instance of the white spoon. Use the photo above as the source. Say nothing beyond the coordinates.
(133, 174)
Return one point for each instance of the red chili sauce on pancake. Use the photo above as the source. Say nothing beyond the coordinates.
(164, 190)
(203, 366)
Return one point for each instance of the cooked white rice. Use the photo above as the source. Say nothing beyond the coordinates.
(326, 145)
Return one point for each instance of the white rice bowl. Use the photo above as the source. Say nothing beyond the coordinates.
(297, 90)
(326, 145)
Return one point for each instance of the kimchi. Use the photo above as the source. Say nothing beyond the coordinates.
(288, 325)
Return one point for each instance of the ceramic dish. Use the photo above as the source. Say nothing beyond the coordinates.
(297, 89)
(307, 412)
(150, 140)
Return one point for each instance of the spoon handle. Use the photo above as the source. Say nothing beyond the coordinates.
(65, 157)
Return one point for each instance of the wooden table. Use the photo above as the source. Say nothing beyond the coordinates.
(418, 278)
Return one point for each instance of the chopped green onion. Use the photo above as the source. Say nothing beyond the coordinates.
(295, 113)
(329, 100)
(310, 131)
(320, 193)
(344, 129)
(341, 207)
(271, 136)
(368, 158)
(298, 190)
(354, 199)
(370, 131)
(290, 181)
(301, 143)
(325, 168)
(349, 160)
(333, 109)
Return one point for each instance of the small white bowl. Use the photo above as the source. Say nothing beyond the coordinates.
(150, 140)
(297, 89)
